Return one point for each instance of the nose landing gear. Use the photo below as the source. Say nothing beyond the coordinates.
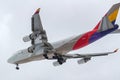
(17, 67)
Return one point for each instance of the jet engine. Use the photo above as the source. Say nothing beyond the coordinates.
(84, 60)
(30, 37)
(31, 49)
(26, 38)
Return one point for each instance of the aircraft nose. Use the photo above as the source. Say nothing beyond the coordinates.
(10, 60)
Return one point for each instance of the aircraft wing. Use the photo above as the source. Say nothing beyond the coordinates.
(69, 56)
(37, 29)
(84, 57)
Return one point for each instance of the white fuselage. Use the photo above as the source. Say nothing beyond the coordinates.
(61, 47)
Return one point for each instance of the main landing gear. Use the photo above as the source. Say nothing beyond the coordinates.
(59, 58)
(17, 67)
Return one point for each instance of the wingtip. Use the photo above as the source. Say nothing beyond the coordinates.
(116, 50)
(37, 11)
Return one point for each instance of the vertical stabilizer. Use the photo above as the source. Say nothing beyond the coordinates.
(113, 12)
(108, 21)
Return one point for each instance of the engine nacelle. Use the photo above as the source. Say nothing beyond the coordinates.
(31, 49)
(84, 60)
(31, 36)
(26, 38)
(56, 63)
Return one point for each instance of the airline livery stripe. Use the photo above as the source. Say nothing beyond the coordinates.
(112, 16)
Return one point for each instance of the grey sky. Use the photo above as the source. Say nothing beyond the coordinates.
(61, 19)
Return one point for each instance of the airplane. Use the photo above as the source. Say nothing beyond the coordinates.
(41, 49)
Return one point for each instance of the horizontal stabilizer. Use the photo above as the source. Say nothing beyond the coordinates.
(116, 32)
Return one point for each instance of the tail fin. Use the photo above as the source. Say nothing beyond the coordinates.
(108, 21)
(113, 12)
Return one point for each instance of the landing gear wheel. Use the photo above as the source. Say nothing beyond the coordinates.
(60, 61)
(45, 55)
(59, 58)
(17, 68)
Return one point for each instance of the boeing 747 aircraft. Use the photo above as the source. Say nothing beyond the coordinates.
(41, 48)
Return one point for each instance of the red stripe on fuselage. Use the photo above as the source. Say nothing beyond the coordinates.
(84, 40)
